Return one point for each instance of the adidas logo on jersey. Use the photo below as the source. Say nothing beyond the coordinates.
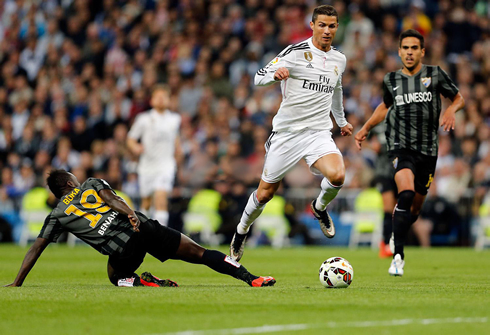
(309, 66)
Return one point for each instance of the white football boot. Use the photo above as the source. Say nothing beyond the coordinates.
(396, 267)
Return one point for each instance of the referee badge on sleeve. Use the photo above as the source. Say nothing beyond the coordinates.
(395, 162)
(426, 81)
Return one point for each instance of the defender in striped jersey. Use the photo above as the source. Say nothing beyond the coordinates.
(95, 214)
(411, 109)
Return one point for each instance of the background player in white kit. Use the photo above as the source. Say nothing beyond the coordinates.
(157, 130)
(311, 74)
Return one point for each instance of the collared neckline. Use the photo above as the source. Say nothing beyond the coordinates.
(315, 49)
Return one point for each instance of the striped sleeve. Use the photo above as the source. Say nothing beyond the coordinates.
(51, 229)
(287, 59)
(446, 86)
(387, 96)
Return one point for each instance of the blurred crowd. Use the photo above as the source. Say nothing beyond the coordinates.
(75, 73)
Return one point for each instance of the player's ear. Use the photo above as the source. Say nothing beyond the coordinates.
(423, 52)
(312, 25)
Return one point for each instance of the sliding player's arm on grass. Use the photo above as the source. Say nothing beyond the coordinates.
(119, 205)
(29, 260)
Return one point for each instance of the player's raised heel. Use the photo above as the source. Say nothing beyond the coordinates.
(397, 265)
(325, 221)
(263, 281)
(237, 246)
(147, 279)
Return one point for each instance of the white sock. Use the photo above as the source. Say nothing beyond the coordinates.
(327, 194)
(250, 214)
(162, 217)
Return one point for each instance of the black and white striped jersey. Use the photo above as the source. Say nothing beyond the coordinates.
(414, 105)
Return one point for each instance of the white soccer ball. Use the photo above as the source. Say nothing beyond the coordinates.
(336, 272)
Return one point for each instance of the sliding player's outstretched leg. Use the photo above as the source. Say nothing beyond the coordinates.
(192, 252)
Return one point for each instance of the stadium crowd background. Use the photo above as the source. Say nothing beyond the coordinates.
(75, 73)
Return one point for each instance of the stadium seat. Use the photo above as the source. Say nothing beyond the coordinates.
(368, 219)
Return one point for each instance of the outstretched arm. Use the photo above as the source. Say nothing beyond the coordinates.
(378, 116)
(29, 260)
(119, 205)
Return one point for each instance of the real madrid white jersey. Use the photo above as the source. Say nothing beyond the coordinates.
(313, 89)
(158, 133)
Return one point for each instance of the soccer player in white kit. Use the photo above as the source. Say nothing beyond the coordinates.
(158, 133)
(310, 73)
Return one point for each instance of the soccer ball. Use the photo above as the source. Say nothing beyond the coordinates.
(336, 272)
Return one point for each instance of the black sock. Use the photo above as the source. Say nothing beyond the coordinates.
(221, 263)
(402, 220)
(401, 223)
(387, 227)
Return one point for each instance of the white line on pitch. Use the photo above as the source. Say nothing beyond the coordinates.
(303, 326)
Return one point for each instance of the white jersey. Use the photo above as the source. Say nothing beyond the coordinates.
(313, 89)
(158, 133)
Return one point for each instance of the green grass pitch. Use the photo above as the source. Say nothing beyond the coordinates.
(443, 291)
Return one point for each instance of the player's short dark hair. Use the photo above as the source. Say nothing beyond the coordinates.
(324, 10)
(57, 181)
(412, 33)
(160, 87)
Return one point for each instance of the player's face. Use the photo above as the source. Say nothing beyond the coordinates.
(324, 29)
(410, 52)
(159, 99)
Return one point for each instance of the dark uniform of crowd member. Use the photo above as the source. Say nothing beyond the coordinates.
(95, 214)
(411, 109)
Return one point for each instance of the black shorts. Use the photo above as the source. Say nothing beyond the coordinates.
(159, 241)
(422, 166)
(385, 184)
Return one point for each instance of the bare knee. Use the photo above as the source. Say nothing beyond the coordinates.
(264, 196)
(337, 177)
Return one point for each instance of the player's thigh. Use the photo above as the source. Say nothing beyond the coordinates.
(426, 169)
(160, 242)
(283, 151)
(323, 156)
(332, 167)
(405, 169)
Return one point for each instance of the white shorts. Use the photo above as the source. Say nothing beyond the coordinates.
(285, 149)
(151, 182)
